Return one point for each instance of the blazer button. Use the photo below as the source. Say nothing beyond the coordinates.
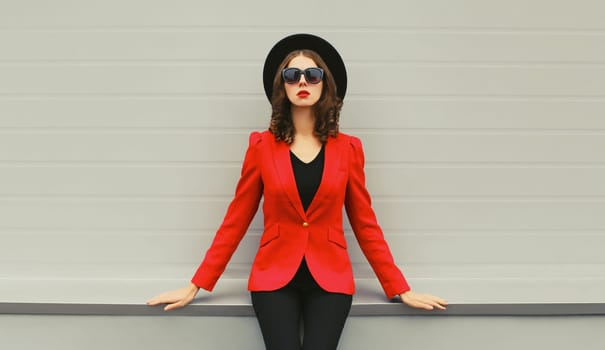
(305, 224)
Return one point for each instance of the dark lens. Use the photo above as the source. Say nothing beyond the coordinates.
(291, 75)
(314, 75)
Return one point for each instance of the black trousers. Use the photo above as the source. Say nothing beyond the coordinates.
(280, 312)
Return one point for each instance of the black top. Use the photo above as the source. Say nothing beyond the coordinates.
(308, 176)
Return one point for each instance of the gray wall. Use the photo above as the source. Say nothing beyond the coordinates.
(123, 126)
(387, 333)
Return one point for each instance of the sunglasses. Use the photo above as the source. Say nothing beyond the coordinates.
(313, 75)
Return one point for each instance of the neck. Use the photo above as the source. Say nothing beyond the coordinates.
(303, 119)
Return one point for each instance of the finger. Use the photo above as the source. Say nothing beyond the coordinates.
(160, 300)
(426, 301)
(430, 305)
(179, 303)
(433, 300)
(439, 306)
(153, 301)
(173, 306)
(439, 303)
(437, 299)
(419, 304)
(426, 306)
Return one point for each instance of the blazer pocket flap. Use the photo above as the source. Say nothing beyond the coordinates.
(337, 237)
(269, 235)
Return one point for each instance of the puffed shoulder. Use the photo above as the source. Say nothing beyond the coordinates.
(355, 142)
(255, 138)
(357, 154)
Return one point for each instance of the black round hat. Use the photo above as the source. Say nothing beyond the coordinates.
(310, 42)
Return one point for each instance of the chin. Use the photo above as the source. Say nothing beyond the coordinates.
(303, 105)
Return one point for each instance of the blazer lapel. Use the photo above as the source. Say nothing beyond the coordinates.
(332, 159)
(283, 167)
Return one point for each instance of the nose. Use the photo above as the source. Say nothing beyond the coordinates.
(302, 81)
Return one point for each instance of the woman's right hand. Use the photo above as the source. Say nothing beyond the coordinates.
(175, 298)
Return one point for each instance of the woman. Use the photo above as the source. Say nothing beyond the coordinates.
(306, 170)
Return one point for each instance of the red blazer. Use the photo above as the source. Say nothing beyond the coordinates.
(290, 233)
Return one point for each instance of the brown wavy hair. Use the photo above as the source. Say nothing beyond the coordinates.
(327, 109)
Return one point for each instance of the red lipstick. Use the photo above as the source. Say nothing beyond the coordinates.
(303, 93)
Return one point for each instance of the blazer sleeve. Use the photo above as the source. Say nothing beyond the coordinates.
(365, 226)
(240, 213)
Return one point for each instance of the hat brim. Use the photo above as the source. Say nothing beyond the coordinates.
(310, 42)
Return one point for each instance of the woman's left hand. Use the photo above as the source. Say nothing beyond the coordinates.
(423, 301)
